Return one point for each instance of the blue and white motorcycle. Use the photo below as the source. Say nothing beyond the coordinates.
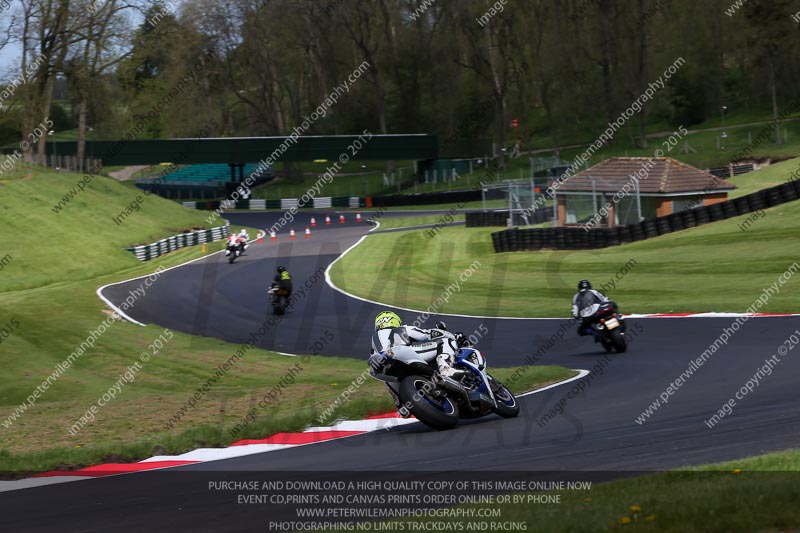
(440, 402)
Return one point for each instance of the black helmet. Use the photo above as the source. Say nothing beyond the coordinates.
(584, 284)
(281, 269)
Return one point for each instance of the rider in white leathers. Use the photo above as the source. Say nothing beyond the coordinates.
(585, 305)
(408, 343)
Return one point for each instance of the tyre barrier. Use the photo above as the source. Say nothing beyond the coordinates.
(638, 231)
(757, 200)
(788, 192)
(660, 226)
(675, 222)
(560, 241)
(774, 197)
(688, 218)
(613, 236)
(478, 219)
(742, 205)
(729, 209)
(598, 238)
(625, 234)
(651, 227)
(497, 242)
(716, 212)
(702, 215)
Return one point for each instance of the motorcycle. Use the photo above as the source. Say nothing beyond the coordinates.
(608, 326)
(279, 299)
(440, 402)
(233, 251)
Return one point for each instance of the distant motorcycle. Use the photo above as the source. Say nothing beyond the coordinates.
(608, 326)
(439, 402)
(233, 251)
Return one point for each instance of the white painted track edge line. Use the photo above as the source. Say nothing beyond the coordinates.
(119, 311)
(580, 371)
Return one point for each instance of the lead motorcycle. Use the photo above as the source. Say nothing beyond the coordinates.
(440, 402)
(235, 250)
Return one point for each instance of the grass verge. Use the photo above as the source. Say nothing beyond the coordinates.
(688, 271)
(48, 307)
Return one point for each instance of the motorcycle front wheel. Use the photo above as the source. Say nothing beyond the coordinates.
(431, 405)
(507, 405)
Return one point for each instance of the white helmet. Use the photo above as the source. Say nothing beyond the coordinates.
(243, 232)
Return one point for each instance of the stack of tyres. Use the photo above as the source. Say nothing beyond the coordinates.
(653, 227)
(536, 239)
(530, 238)
(774, 196)
(625, 234)
(702, 215)
(729, 208)
(757, 200)
(513, 239)
(788, 192)
(559, 242)
(675, 221)
(472, 219)
(522, 239)
(716, 212)
(742, 205)
(548, 238)
(689, 218)
(613, 236)
(497, 242)
(597, 238)
(584, 239)
(638, 232)
(576, 238)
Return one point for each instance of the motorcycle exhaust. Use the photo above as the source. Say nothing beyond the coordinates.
(456, 387)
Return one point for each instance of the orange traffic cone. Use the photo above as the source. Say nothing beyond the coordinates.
(291, 234)
(273, 236)
(308, 233)
(341, 219)
(260, 236)
(313, 222)
(358, 217)
(328, 220)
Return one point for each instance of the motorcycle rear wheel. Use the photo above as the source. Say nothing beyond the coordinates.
(618, 341)
(432, 406)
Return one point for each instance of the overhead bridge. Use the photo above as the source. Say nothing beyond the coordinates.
(255, 149)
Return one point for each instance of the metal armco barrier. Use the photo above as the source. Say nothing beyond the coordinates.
(278, 203)
(146, 252)
(573, 238)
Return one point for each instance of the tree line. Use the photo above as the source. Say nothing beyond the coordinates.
(460, 69)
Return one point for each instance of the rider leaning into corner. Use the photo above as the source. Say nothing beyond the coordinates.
(392, 338)
(585, 305)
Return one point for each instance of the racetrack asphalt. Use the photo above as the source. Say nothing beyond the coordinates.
(594, 435)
